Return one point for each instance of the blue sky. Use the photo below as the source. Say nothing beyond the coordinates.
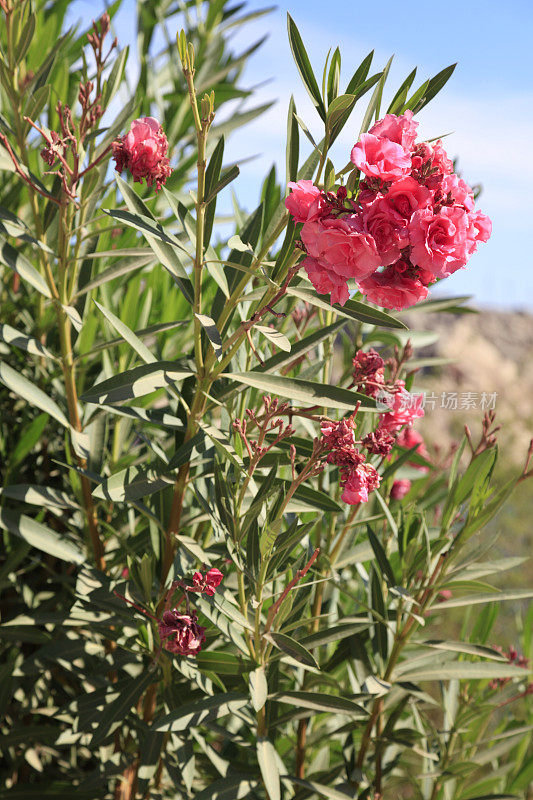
(487, 106)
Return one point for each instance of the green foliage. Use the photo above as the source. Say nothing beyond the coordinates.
(134, 339)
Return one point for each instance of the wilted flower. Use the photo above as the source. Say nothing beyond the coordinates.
(143, 152)
(180, 633)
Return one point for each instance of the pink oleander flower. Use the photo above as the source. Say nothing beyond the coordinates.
(400, 129)
(341, 246)
(410, 438)
(455, 191)
(388, 229)
(359, 483)
(400, 489)
(479, 230)
(444, 594)
(406, 196)
(305, 203)
(483, 226)
(430, 163)
(393, 288)
(380, 158)
(325, 280)
(180, 633)
(143, 152)
(404, 409)
(207, 584)
(440, 242)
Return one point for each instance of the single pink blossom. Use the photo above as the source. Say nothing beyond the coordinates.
(410, 438)
(404, 409)
(400, 489)
(380, 158)
(388, 229)
(180, 633)
(440, 242)
(400, 129)
(143, 152)
(325, 280)
(341, 246)
(394, 289)
(359, 483)
(305, 203)
(207, 584)
(406, 196)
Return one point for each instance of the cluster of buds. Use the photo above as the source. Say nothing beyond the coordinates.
(269, 422)
(64, 148)
(358, 478)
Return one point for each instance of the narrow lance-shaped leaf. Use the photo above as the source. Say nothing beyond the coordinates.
(31, 393)
(304, 66)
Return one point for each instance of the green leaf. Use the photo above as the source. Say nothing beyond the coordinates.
(318, 701)
(136, 382)
(258, 688)
(360, 74)
(128, 335)
(320, 789)
(131, 483)
(29, 438)
(301, 391)
(495, 597)
(39, 496)
(39, 536)
(383, 561)
(183, 453)
(352, 309)
(268, 764)
(465, 647)
(140, 257)
(191, 715)
(20, 264)
(304, 66)
(293, 143)
(463, 670)
(338, 108)
(212, 333)
(434, 85)
(31, 393)
(15, 338)
(234, 787)
(114, 713)
(293, 648)
(274, 336)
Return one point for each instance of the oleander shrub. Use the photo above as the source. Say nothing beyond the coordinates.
(229, 558)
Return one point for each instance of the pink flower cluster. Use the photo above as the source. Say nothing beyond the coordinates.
(143, 152)
(412, 222)
(358, 478)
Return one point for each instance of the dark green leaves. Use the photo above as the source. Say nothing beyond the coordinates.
(136, 382)
(305, 391)
(304, 66)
